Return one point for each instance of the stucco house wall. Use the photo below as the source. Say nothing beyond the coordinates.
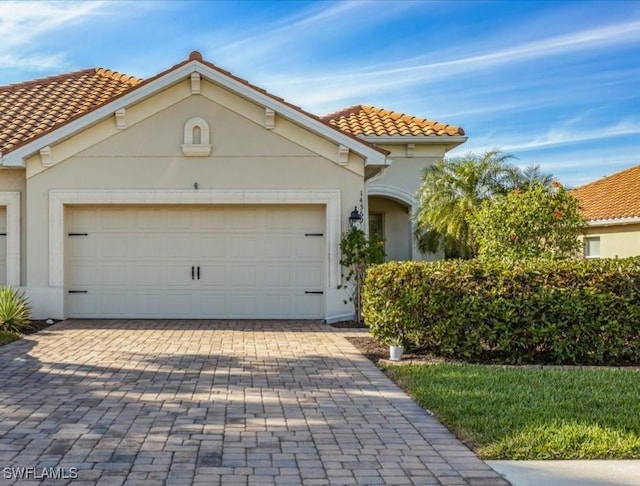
(617, 241)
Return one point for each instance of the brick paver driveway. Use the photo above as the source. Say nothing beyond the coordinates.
(212, 402)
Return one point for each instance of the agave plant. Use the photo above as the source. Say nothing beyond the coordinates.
(15, 312)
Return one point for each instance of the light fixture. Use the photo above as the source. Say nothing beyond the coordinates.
(355, 218)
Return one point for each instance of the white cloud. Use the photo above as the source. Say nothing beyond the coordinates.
(23, 22)
(366, 82)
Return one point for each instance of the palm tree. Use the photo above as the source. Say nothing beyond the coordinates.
(450, 191)
(531, 175)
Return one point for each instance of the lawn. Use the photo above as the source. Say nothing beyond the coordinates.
(528, 413)
(7, 337)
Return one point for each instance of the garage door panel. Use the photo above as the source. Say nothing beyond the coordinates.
(113, 304)
(243, 247)
(108, 276)
(254, 261)
(243, 219)
(83, 305)
(309, 276)
(243, 276)
(278, 276)
(212, 247)
(152, 276)
(112, 247)
(243, 305)
(277, 247)
(82, 247)
(213, 275)
(178, 246)
(277, 305)
(115, 220)
(178, 219)
(83, 275)
(146, 248)
(308, 248)
(308, 305)
(151, 219)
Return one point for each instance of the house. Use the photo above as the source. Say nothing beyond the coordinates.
(612, 208)
(195, 194)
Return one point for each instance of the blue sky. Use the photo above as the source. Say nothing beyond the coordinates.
(554, 83)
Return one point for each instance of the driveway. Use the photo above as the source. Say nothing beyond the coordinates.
(214, 402)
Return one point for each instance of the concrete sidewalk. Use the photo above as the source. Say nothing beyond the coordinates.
(569, 473)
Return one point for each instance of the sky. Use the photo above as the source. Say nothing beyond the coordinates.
(553, 83)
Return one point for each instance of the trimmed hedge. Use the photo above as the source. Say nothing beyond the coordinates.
(536, 311)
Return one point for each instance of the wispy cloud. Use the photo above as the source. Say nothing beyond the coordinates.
(23, 22)
(414, 71)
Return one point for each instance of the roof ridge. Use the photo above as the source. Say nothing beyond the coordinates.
(125, 78)
(47, 79)
(134, 84)
(343, 112)
(606, 178)
(363, 119)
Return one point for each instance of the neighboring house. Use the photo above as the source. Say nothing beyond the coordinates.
(612, 208)
(195, 194)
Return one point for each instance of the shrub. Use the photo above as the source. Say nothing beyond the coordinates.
(359, 252)
(541, 222)
(552, 311)
(15, 312)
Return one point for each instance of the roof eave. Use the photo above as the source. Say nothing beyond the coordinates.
(451, 141)
(17, 157)
(613, 221)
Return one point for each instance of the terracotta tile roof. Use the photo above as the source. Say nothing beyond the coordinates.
(366, 120)
(31, 109)
(616, 196)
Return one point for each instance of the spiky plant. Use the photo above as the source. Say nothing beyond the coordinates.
(15, 312)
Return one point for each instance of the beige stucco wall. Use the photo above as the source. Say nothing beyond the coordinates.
(14, 180)
(148, 155)
(405, 175)
(617, 241)
(405, 172)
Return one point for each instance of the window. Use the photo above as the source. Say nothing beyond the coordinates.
(376, 225)
(592, 247)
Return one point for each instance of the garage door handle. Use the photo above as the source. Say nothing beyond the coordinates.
(78, 291)
(198, 272)
(313, 292)
(193, 269)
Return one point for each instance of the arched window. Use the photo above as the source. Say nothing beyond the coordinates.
(196, 141)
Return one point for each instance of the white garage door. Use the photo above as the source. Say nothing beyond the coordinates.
(195, 262)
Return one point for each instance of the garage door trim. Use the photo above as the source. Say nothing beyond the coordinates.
(11, 201)
(59, 198)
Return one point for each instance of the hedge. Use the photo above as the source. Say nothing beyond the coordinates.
(537, 311)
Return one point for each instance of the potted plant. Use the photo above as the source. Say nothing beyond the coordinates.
(396, 348)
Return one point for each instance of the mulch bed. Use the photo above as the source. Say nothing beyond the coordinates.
(37, 326)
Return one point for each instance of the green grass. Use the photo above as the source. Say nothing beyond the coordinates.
(520, 413)
(8, 336)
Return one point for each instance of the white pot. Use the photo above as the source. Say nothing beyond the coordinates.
(395, 353)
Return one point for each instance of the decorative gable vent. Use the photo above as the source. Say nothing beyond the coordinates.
(196, 142)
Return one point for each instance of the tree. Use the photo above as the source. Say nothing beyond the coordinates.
(359, 252)
(537, 223)
(451, 191)
(527, 178)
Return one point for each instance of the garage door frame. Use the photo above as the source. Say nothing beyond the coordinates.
(58, 199)
(11, 201)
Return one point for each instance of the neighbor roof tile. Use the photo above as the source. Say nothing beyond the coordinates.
(369, 121)
(30, 109)
(613, 197)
